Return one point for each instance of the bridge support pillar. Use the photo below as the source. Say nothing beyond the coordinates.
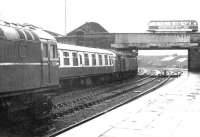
(194, 59)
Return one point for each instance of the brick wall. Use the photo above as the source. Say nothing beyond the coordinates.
(90, 40)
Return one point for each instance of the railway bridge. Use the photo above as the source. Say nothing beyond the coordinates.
(170, 40)
(175, 34)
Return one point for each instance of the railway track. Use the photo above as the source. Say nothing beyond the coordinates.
(104, 103)
(88, 104)
(91, 93)
(98, 97)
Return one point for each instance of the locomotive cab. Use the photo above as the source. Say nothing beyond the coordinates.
(49, 59)
(25, 63)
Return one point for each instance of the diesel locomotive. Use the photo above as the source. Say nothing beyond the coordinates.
(32, 61)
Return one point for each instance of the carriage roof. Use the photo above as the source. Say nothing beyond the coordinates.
(70, 47)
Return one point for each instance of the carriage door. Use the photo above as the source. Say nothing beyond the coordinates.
(45, 64)
(49, 63)
(53, 63)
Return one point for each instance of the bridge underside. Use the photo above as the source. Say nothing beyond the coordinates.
(150, 46)
(150, 41)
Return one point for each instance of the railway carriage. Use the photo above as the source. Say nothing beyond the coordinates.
(31, 61)
(83, 64)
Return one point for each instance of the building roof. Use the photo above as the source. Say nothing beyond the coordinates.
(88, 28)
(53, 33)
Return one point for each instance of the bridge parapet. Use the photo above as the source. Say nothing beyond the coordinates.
(152, 37)
(156, 40)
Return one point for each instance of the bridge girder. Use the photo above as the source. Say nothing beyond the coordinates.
(156, 40)
(150, 46)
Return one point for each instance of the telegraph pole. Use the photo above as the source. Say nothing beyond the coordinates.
(65, 17)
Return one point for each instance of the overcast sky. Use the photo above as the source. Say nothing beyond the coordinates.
(114, 15)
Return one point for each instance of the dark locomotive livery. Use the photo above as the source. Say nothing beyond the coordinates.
(31, 60)
(28, 59)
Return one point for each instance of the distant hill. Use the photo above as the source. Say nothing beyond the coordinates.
(165, 61)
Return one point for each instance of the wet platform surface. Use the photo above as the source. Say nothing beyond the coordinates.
(170, 111)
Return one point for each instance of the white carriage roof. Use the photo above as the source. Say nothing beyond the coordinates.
(62, 46)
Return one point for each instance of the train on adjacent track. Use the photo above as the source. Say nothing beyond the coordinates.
(31, 61)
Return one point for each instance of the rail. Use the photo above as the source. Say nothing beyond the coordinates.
(111, 108)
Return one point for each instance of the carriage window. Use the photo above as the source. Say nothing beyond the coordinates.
(45, 50)
(75, 59)
(110, 61)
(106, 59)
(86, 59)
(80, 57)
(66, 58)
(53, 51)
(100, 60)
(93, 59)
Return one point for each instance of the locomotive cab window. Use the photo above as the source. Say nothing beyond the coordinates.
(66, 58)
(45, 50)
(53, 51)
(75, 59)
(22, 51)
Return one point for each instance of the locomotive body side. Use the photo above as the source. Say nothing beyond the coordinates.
(126, 63)
(21, 60)
(49, 60)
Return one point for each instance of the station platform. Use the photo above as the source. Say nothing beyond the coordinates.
(170, 111)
